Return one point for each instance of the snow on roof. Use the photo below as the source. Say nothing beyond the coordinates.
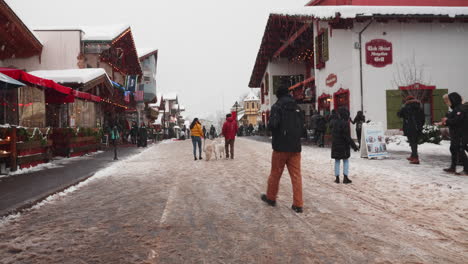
(159, 120)
(155, 106)
(326, 12)
(170, 96)
(71, 75)
(92, 33)
(142, 52)
(109, 32)
(182, 108)
(251, 97)
(240, 115)
(175, 106)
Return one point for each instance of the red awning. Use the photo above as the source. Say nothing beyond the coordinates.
(26, 77)
(86, 96)
(306, 81)
(52, 86)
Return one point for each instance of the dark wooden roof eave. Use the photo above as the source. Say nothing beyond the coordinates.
(267, 49)
(155, 52)
(11, 15)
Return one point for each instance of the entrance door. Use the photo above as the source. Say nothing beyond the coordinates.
(341, 99)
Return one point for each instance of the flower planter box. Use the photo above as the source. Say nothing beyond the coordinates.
(33, 153)
(83, 145)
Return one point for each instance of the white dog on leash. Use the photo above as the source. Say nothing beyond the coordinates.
(219, 149)
(213, 148)
(209, 149)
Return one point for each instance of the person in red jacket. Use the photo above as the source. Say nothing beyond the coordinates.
(229, 131)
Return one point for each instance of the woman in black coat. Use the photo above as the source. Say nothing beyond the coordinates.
(341, 144)
(358, 121)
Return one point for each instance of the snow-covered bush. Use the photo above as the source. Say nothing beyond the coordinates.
(430, 134)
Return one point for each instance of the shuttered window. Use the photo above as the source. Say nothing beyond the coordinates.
(439, 108)
(321, 49)
(394, 103)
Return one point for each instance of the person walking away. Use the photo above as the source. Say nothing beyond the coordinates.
(250, 129)
(204, 132)
(285, 123)
(455, 121)
(212, 132)
(134, 133)
(413, 122)
(115, 136)
(313, 125)
(182, 135)
(321, 128)
(142, 136)
(359, 119)
(197, 134)
(341, 144)
(229, 132)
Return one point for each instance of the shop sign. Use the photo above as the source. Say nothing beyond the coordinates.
(379, 53)
(331, 80)
(373, 143)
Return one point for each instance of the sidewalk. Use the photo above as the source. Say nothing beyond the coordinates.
(24, 190)
(438, 159)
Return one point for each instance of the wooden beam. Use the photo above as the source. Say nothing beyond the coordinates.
(291, 39)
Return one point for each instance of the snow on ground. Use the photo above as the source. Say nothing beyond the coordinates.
(56, 163)
(400, 143)
(162, 207)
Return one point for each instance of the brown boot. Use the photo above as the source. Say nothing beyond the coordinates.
(450, 170)
(414, 161)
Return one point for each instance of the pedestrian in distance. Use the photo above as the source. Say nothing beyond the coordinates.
(321, 128)
(342, 144)
(134, 133)
(197, 134)
(285, 123)
(250, 129)
(142, 136)
(359, 119)
(204, 132)
(212, 132)
(413, 122)
(115, 136)
(229, 132)
(331, 118)
(456, 121)
(313, 125)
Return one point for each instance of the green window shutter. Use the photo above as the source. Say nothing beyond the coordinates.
(317, 51)
(276, 83)
(439, 108)
(394, 101)
(325, 45)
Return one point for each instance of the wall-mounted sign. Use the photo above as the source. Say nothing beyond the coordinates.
(379, 53)
(331, 80)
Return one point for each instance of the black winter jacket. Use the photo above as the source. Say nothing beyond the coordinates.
(456, 117)
(465, 126)
(341, 139)
(290, 142)
(413, 118)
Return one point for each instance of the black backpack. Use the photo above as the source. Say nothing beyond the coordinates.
(292, 123)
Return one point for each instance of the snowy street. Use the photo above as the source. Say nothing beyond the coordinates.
(160, 206)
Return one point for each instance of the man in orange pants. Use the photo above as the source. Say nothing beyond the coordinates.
(286, 123)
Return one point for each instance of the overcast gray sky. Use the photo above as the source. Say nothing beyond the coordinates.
(207, 48)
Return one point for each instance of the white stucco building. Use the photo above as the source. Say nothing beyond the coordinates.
(365, 58)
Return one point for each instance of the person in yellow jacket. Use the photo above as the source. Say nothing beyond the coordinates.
(196, 133)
